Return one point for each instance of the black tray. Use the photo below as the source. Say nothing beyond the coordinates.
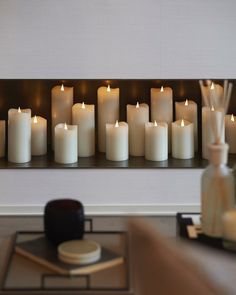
(51, 282)
(187, 219)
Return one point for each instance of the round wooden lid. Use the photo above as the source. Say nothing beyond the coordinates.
(79, 251)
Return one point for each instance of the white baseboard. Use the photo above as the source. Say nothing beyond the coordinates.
(108, 209)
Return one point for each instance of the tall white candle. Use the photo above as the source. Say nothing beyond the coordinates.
(19, 135)
(117, 141)
(230, 132)
(156, 141)
(83, 117)
(182, 139)
(38, 136)
(162, 107)
(108, 112)
(207, 128)
(187, 110)
(66, 151)
(137, 116)
(2, 137)
(62, 102)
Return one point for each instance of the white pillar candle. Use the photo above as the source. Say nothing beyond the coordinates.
(207, 128)
(182, 139)
(213, 89)
(66, 151)
(230, 132)
(62, 102)
(19, 135)
(187, 110)
(108, 112)
(2, 137)
(117, 141)
(83, 117)
(216, 91)
(162, 107)
(38, 136)
(156, 141)
(137, 116)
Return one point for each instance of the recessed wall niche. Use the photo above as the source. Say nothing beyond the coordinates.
(36, 95)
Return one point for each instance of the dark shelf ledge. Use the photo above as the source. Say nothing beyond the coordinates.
(99, 162)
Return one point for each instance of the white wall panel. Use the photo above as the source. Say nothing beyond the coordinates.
(152, 190)
(117, 38)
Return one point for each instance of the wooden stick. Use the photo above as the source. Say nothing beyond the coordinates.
(205, 98)
(225, 91)
(229, 92)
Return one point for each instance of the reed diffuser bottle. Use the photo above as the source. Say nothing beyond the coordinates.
(217, 190)
(217, 183)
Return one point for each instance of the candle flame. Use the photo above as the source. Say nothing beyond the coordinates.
(65, 127)
(155, 123)
(212, 108)
(212, 86)
(162, 89)
(108, 88)
(186, 103)
(19, 110)
(232, 118)
(35, 119)
(182, 123)
(83, 105)
(137, 105)
(62, 87)
(117, 123)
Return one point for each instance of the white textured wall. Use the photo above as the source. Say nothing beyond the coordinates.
(113, 39)
(117, 38)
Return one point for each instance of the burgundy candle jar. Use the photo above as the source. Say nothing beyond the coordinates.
(63, 220)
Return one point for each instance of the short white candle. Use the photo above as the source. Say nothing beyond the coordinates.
(62, 102)
(117, 141)
(137, 116)
(156, 141)
(162, 107)
(207, 128)
(83, 117)
(187, 110)
(19, 135)
(229, 225)
(66, 151)
(182, 139)
(108, 112)
(230, 132)
(2, 137)
(38, 136)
